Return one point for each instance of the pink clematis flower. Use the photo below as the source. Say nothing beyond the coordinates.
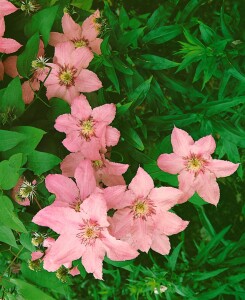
(83, 235)
(87, 129)
(195, 166)
(142, 218)
(69, 75)
(40, 72)
(79, 36)
(7, 45)
(24, 191)
(6, 8)
(105, 171)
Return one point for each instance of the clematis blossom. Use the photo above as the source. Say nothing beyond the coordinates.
(69, 75)
(79, 36)
(105, 171)
(83, 234)
(7, 45)
(142, 218)
(196, 168)
(87, 130)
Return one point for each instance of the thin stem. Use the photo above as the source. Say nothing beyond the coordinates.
(38, 204)
(16, 256)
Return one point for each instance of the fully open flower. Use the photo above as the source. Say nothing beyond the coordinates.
(142, 218)
(7, 45)
(195, 166)
(69, 75)
(87, 129)
(83, 234)
(105, 171)
(79, 36)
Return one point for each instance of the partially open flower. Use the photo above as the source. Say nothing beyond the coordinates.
(24, 191)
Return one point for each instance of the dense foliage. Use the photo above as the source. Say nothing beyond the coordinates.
(163, 64)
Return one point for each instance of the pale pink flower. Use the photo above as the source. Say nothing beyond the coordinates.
(67, 192)
(142, 218)
(36, 255)
(7, 45)
(105, 171)
(87, 129)
(195, 166)
(6, 8)
(69, 75)
(40, 71)
(83, 235)
(79, 36)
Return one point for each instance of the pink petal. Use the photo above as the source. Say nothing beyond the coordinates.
(117, 198)
(55, 90)
(71, 29)
(165, 197)
(121, 223)
(73, 142)
(87, 81)
(222, 168)
(28, 88)
(70, 163)
(56, 37)
(63, 52)
(64, 188)
(142, 233)
(10, 66)
(115, 168)
(112, 180)
(141, 184)
(9, 45)
(104, 113)
(74, 271)
(92, 259)
(7, 8)
(2, 26)
(81, 57)
(48, 242)
(161, 244)
(169, 223)
(95, 45)
(85, 178)
(36, 255)
(90, 30)
(181, 142)
(112, 136)
(91, 150)
(67, 248)
(66, 123)
(207, 187)
(186, 185)
(117, 250)
(80, 108)
(170, 163)
(205, 145)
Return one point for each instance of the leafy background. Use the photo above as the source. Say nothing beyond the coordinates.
(163, 63)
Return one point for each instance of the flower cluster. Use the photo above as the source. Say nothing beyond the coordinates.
(90, 184)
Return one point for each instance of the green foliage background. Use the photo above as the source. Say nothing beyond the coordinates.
(163, 63)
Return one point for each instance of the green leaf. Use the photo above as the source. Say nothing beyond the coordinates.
(207, 275)
(197, 200)
(25, 240)
(42, 22)
(8, 217)
(12, 98)
(6, 236)
(29, 291)
(132, 137)
(28, 55)
(41, 162)
(10, 139)
(111, 73)
(9, 175)
(156, 19)
(85, 4)
(58, 107)
(172, 259)
(162, 34)
(129, 38)
(153, 62)
(140, 93)
(121, 67)
(32, 138)
(119, 264)
(157, 174)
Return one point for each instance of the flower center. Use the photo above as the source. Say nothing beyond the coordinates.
(79, 43)
(143, 208)
(87, 129)
(67, 76)
(98, 164)
(89, 232)
(26, 190)
(195, 163)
